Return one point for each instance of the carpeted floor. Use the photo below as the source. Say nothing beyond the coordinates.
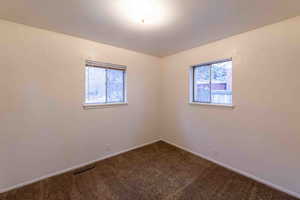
(157, 171)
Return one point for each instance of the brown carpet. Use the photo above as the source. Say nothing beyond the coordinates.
(157, 171)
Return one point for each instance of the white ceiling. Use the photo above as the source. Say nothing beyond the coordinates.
(184, 24)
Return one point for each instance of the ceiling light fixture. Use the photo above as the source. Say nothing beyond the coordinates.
(150, 12)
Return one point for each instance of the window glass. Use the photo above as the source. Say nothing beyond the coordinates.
(202, 84)
(95, 85)
(104, 85)
(115, 85)
(221, 83)
(212, 83)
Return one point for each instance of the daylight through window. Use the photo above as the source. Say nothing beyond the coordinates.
(105, 83)
(212, 83)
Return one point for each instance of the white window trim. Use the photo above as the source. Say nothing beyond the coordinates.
(102, 105)
(212, 104)
(191, 85)
(110, 104)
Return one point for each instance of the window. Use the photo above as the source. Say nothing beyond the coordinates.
(104, 83)
(212, 83)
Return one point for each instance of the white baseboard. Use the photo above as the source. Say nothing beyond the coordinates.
(276, 187)
(294, 194)
(73, 168)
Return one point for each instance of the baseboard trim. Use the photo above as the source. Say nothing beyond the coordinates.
(253, 177)
(294, 194)
(74, 167)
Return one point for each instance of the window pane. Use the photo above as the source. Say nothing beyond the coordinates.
(95, 85)
(202, 84)
(221, 83)
(115, 85)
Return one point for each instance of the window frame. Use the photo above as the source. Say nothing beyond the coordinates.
(106, 66)
(192, 84)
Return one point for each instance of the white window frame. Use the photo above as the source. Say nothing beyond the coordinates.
(191, 84)
(105, 66)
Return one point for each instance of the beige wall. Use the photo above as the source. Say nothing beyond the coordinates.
(261, 135)
(43, 127)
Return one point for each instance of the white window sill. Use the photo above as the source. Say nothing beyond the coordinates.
(211, 104)
(102, 105)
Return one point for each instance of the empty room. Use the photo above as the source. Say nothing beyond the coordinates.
(150, 100)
